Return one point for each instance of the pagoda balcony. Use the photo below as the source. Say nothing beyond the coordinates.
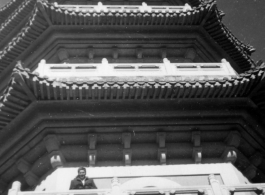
(125, 8)
(161, 70)
(213, 189)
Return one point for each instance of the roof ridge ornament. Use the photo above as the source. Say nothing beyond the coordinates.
(187, 7)
(19, 65)
(145, 8)
(100, 7)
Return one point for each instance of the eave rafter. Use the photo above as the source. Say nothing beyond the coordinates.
(32, 30)
(14, 20)
(7, 9)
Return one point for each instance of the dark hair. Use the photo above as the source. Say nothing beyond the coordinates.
(81, 168)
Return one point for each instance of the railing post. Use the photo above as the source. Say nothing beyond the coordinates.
(41, 67)
(215, 185)
(15, 188)
(145, 7)
(226, 65)
(105, 67)
(115, 185)
(127, 152)
(100, 7)
(168, 67)
(187, 7)
(92, 152)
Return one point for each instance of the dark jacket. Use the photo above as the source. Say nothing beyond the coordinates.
(76, 183)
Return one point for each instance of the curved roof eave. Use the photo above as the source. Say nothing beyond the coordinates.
(26, 87)
(237, 50)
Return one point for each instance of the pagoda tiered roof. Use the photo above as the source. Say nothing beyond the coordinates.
(25, 87)
(205, 14)
(33, 107)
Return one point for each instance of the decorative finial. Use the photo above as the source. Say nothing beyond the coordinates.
(115, 180)
(19, 65)
(104, 61)
(166, 61)
(187, 7)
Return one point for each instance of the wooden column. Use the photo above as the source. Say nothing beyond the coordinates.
(256, 159)
(163, 52)
(232, 141)
(63, 55)
(25, 168)
(162, 151)
(90, 54)
(139, 54)
(53, 147)
(197, 149)
(92, 152)
(127, 151)
(250, 172)
(190, 55)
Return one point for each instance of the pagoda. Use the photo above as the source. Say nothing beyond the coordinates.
(154, 97)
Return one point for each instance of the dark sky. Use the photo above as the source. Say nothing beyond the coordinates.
(246, 20)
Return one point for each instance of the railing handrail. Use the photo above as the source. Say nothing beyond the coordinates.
(191, 189)
(245, 187)
(137, 64)
(86, 191)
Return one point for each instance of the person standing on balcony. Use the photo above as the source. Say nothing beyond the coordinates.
(81, 181)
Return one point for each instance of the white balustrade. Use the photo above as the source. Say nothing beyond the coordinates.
(106, 69)
(128, 8)
(217, 189)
